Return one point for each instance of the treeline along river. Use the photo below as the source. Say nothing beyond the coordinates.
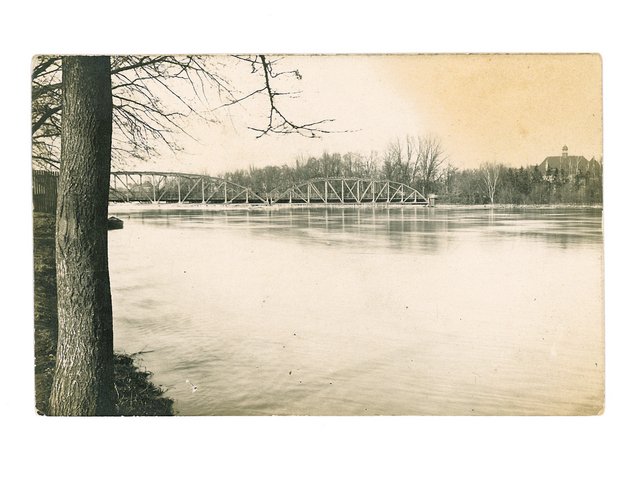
(427, 173)
(364, 310)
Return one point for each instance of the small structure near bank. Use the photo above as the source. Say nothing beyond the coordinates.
(45, 190)
(114, 223)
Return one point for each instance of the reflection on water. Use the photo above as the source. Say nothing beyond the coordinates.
(350, 311)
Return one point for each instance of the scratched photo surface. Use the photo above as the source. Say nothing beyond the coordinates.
(325, 235)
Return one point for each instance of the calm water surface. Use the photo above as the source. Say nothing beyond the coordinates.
(364, 311)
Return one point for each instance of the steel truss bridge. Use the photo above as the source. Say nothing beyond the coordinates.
(156, 187)
(165, 187)
(349, 190)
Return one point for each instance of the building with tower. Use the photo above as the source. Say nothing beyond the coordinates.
(569, 165)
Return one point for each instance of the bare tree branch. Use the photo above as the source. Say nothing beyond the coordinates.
(44, 117)
(42, 67)
(141, 118)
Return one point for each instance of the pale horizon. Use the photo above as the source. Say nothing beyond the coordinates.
(514, 109)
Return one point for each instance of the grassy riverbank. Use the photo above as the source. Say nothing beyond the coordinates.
(136, 394)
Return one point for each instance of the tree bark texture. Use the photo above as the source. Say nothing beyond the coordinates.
(83, 380)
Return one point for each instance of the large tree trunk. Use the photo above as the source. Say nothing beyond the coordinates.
(83, 379)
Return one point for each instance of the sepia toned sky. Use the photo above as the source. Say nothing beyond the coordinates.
(513, 109)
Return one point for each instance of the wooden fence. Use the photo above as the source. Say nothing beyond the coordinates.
(45, 191)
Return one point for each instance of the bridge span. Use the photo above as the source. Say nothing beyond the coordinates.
(172, 187)
(348, 190)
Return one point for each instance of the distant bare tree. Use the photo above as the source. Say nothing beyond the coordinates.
(369, 165)
(490, 176)
(449, 175)
(429, 162)
(400, 162)
(355, 164)
(417, 161)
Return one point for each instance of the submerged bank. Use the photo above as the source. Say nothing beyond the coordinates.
(136, 394)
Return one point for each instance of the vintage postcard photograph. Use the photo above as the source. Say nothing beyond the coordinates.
(318, 235)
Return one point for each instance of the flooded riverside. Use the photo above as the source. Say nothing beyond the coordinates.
(364, 310)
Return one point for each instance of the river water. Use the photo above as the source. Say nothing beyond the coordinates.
(364, 311)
